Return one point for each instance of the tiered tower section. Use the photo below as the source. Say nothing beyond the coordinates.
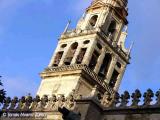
(92, 54)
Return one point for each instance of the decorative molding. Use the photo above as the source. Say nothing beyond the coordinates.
(85, 68)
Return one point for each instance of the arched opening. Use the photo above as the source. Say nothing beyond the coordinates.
(94, 59)
(113, 79)
(112, 28)
(57, 58)
(105, 65)
(63, 45)
(119, 65)
(70, 54)
(81, 55)
(93, 20)
(86, 41)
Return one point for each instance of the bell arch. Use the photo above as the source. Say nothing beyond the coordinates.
(70, 53)
(105, 65)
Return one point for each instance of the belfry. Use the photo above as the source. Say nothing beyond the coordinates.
(92, 54)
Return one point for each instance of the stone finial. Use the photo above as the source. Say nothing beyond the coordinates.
(21, 103)
(44, 99)
(124, 99)
(158, 97)
(115, 100)
(148, 97)
(70, 103)
(136, 98)
(106, 100)
(60, 101)
(51, 103)
(41, 105)
(74, 94)
(13, 103)
(35, 102)
(28, 101)
(7, 102)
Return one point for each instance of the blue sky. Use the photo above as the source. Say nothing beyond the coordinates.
(29, 30)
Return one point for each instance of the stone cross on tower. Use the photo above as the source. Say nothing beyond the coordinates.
(92, 54)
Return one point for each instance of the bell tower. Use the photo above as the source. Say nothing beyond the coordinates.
(92, 54)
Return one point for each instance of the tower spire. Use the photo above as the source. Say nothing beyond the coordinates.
(67, 26)
(131, 47)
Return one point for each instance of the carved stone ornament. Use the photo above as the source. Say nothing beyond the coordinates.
(35, 102)
(106, 100)
(51, 103)
(7, 102)
(115, 100)
(13, 103)
(148, 97)
(136, 98)
(158, 98)
(21, 103)
(124, 99)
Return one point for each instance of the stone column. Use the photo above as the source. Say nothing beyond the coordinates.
(53, 57)
(76, 53)
(119, 79)
(100, 61)
(89, 52)
(111, 69)
(64, 54)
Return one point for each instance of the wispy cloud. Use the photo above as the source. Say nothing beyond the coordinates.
(19, 86)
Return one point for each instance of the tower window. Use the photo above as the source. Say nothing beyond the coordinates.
(94, 59)
(119, 65)
(70, 54)
(86, 42)
(74, 46)
(81, 55)
(112, 27)
(93, 20)
(105, 65)
(57, 58)
(63, 45)
(113, 79)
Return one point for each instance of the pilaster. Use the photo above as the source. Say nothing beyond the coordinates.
(53, 57)
(89, 53)
(119, 79)
(100, 61)
(111, 68)
(76, 53)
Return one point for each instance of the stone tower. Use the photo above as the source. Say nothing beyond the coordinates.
(92, 54)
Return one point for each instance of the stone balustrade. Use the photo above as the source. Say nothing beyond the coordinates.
(136, 99)
(39, 104)
(108, 101)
